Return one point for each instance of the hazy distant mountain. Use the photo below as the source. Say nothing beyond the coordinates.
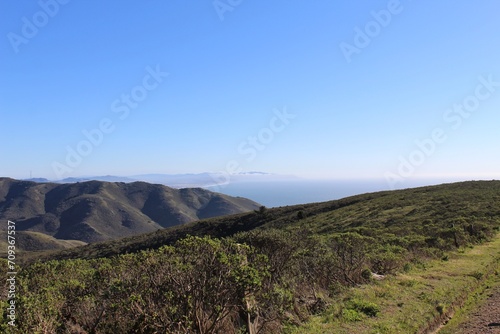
(209, 179)
(37, 179)
(180, 180)
(96, 210)
(106, 178)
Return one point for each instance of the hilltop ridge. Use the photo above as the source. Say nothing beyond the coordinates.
(94, 211)
(429, 211)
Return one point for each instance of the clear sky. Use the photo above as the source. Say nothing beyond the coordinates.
(334, 89)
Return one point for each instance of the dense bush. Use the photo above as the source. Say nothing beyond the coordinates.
(200, 285)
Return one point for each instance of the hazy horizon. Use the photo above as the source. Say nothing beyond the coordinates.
(278, 190)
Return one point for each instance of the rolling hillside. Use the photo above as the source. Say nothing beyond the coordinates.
(51, 216)
(387, 262)
(429, 212)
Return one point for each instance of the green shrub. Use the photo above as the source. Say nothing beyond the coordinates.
(407, 267)
(368, 308)
(387, 259)
(477, 275)
(441, 308)
(366, 274)
(349, 315)
(408, 283)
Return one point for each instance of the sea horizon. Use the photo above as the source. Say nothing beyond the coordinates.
(275, 193)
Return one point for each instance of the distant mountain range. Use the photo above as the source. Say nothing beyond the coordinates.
(178, 180)
(52, 216)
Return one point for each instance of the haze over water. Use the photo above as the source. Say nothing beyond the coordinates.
(290, 192)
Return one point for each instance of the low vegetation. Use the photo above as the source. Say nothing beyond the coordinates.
(418, 300)
(308, 268)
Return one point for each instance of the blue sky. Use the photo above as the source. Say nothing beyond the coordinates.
(314, 89)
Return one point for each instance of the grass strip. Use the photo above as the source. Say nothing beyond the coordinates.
(418, 301)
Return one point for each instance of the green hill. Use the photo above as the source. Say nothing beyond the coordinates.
(275, 270)
(95, 211)
(427, 212)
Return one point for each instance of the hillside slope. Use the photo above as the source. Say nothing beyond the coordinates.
(432, 211)
(97, 211)
(391, 262)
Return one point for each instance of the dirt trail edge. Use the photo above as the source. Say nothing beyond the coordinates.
(486, 316)
(482, 316)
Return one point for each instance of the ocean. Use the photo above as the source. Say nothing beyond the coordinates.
(282, 193)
